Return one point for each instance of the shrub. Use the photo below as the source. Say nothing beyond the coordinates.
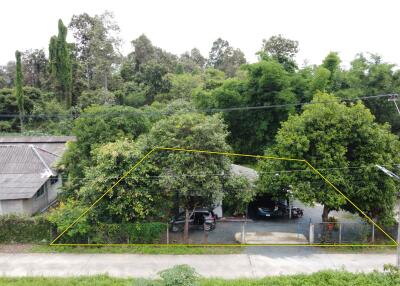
(179, 275)
(21, 229)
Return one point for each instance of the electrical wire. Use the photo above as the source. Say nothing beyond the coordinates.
(194, 110)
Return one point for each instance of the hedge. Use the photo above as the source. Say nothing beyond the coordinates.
(21, 229)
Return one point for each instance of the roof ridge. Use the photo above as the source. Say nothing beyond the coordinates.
(51, 153)
(33, 148)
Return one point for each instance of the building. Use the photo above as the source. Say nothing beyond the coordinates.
(29, 181)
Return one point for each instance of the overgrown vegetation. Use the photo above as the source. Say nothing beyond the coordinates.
(121, 106)
(325, 278)
(19, 229)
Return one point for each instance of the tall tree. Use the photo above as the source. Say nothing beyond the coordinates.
(281, 49)
(97, 45)
(346, 142)
(35, 68)
(192, 175)
(18, 88)
(60, 64)
(225, 58)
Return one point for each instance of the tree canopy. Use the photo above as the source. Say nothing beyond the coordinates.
(345, 143)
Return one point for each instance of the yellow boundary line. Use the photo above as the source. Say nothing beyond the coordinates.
(219, 245)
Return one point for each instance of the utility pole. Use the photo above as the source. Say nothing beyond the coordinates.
(394, 98)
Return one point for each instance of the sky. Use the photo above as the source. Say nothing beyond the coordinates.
(345, 26)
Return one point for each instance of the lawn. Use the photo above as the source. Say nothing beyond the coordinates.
(325, 278)
(139, 249)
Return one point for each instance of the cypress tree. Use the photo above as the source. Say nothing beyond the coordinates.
(60, 64)
(18, 87)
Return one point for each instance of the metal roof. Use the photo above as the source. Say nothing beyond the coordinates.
(248, 173)
(36, 139)
(23, 170)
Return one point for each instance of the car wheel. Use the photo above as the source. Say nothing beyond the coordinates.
(175, 228)
(207, 227)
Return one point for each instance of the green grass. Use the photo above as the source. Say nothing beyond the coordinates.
(361, 249)
(139, 249)
(325, 278)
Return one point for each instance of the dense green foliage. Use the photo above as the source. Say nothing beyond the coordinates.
(19, 229)
(60, 64)
(323, 278)
(345, 143)
(179, 275)
(121, 106)
(19, 95)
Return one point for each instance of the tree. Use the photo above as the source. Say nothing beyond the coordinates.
(282, 50)
(35, 68)
(197, 177)
(97, 44)
(144, 50)
(95, 126)
(60, 65)
(192, 62)
(370, 76)
(7, 75)
(225, 58)
(18, 88)
(267, 83)
(345, 141)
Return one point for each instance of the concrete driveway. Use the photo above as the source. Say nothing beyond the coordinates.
(224, 233)
(147, 266)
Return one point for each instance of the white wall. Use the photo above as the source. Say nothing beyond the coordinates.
(12, 206)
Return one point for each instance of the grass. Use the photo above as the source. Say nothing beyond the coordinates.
(324, 278)
(139, 249)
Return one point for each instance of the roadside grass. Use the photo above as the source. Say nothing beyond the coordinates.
(324, 278)
(361, 249)
(171, 249)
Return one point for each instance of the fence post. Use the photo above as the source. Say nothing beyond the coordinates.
(243, 235)
(373, 233)
(340, 232)
(311, 233)
(167, 233)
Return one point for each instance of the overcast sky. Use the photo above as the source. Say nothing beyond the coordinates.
(320, 26)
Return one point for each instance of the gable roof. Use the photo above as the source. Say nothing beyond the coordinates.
(52, 144)
(23, 170)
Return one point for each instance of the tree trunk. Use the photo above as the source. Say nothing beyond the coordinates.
(325, 214)
(105, 82)
(186, 229)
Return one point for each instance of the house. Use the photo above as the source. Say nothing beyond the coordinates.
(29, 182)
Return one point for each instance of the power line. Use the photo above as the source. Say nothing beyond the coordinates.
(195, 110)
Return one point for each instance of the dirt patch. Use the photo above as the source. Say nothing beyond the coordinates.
(15, 248)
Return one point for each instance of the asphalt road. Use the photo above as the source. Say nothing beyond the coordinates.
(224, 266)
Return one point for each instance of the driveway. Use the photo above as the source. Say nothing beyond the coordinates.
(224, 266)
(224, 233)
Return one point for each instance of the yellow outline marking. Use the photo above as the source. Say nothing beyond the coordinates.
(220, 245)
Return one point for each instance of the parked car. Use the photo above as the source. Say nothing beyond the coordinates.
(198, 219)
(278, 210)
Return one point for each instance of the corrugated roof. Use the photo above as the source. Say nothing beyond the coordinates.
(23, 170)
(36, 139)
(20, 186)
(52, 144)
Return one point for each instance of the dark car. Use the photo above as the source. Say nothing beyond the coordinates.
(198, 219)
(277, 209)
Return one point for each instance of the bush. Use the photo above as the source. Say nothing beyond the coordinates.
(21, 229)
(179, 275)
